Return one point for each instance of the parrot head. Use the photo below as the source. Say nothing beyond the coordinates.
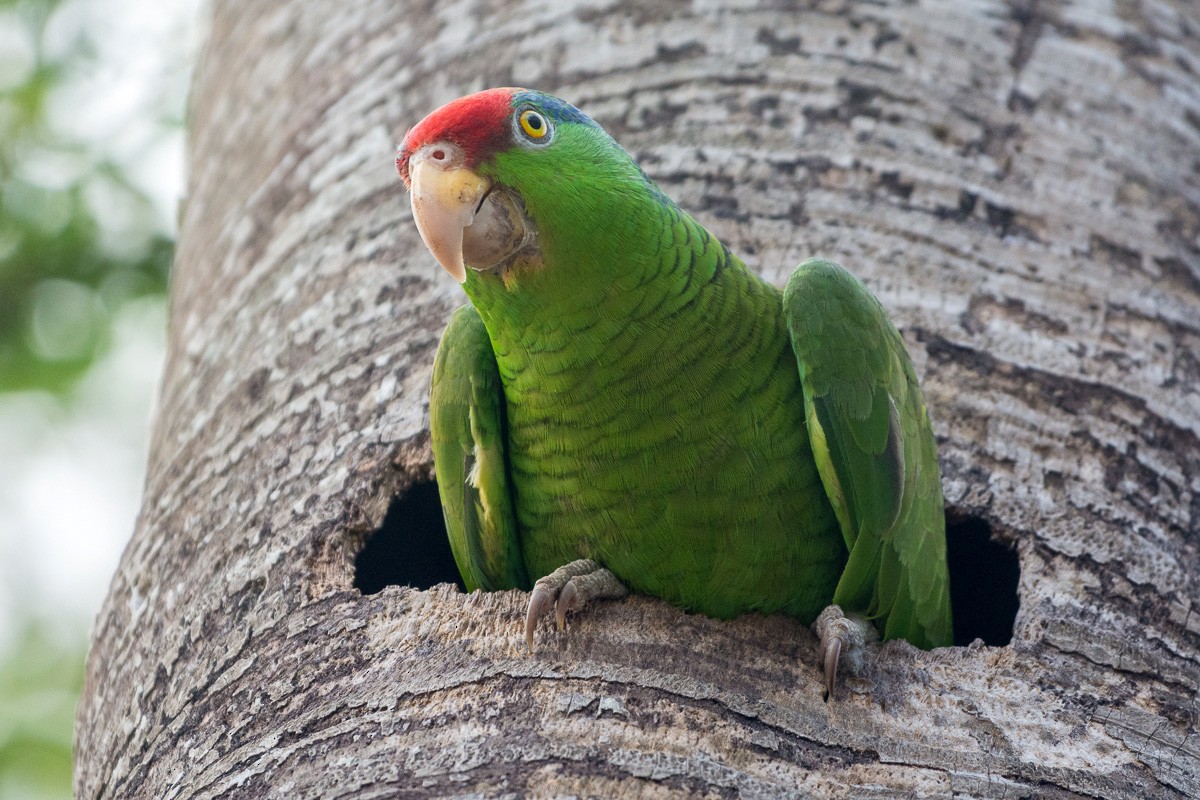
(500, 177)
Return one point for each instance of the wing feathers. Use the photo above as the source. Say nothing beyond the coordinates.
(467, 423)
(875, 453)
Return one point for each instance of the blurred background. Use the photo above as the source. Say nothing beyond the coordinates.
(92, 96)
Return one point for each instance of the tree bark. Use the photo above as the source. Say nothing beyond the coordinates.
(1018, 182)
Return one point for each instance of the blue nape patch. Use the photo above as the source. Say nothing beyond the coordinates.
(557, 110)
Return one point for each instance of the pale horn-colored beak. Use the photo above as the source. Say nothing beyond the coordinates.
(444, 202)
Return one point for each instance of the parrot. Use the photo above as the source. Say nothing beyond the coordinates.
(624, 406)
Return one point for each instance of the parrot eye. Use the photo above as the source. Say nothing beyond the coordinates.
(534, 125)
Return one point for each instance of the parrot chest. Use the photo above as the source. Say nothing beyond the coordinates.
(683, 466)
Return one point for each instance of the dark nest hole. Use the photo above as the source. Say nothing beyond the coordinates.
(983, 583)
(411, 549)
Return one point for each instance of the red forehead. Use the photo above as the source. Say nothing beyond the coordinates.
(477, 123)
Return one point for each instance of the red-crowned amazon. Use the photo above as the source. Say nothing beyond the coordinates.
(625, 404)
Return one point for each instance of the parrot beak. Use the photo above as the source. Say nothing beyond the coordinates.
(444, 204)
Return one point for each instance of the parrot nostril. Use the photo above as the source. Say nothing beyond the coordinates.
(410, 548)
(438, 155)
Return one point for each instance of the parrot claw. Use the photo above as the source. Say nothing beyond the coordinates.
(568, 600)
(540, 602)
(843, 639)
(832, 649)
(569, 588)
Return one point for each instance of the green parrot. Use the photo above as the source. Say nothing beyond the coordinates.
(625, 406)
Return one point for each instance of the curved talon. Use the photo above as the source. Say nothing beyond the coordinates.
(833, 652)
(573, 586)
(568, 600)
(540, 601)
(843, 643)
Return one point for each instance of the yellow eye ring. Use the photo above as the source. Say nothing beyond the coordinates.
(534, 124)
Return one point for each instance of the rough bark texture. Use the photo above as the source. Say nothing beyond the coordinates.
(1020, 184)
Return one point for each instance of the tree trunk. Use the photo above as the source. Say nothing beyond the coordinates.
(1018, 182)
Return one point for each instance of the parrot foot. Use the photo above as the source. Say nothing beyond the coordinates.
(569, 588)
(843, 639)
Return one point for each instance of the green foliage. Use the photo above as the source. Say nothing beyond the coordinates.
(40, 681)
(65, 266)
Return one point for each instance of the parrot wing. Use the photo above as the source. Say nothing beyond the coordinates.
(875, 452)
(469, 434)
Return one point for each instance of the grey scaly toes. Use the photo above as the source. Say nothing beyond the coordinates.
(843, 639)
(569, 588)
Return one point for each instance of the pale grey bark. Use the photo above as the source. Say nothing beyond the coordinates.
(1020, 184)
